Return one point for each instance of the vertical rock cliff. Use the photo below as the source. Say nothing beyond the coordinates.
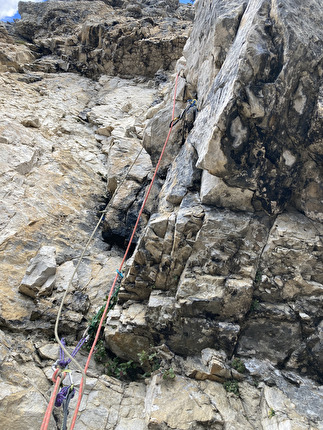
(218, 323)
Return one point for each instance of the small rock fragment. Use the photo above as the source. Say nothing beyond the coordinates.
(41, 273)
(31, 121)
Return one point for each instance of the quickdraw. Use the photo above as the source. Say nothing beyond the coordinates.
(111, 296)
(60, 368)
(191, 103)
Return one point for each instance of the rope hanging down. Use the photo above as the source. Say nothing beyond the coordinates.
(59, 376)
(50, 406)
(123, 260)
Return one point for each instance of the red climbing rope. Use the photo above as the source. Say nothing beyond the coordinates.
(123, 260)
(50, 407)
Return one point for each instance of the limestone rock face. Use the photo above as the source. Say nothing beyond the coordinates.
(257, 97)
(40, 274)
(92, 37)
(240, 271)
(13, 57)
(227, 261)
(45, 184)
(219, 315)
(21, 397)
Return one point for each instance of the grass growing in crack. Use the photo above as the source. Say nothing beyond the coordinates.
(149, 361)
(130, 370)
(168, 374)
(238, 365)
(100, 353)
(256, 382)
(271, 413)
(254, 305)
(232, 386)
(258, 276)
(123, 370)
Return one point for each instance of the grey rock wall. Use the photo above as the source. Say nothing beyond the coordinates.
(220, 265)
(94, 38)
(260, 101)
(224, 286)
(231, 259)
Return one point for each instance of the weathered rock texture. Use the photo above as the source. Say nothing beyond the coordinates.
(95, 38)
(224, 286)
(232, 258)
(13, 57)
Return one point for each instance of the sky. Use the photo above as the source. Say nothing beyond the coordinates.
(9, 9)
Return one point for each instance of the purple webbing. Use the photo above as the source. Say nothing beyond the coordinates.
(62, 363)
(61, 350)
(62, 395)
(78, 347)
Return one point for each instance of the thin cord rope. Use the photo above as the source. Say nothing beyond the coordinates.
(122, 263)
(62, 346)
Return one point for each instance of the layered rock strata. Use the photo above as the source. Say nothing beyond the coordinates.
(211, 263)
(231, 259)
(93, 37)
(224, 287)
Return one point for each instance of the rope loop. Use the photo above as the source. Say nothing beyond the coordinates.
(59, 373)
(62, 363)
(56, 373)
(63, 393)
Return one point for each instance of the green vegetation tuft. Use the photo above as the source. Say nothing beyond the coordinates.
(149, 361)
(271, 413)
(94, 322)
(258, 276)
(100, 353)
(168, 374)
(254, 305)
(238, 365)
(123, 370)
(232, 386)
